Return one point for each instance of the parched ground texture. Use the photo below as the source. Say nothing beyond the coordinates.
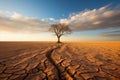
(67, 61)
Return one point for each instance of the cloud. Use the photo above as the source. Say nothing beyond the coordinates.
(96, 19)
(19, 23)
(18, 16)
(50, 20)
(102, 18)
(111, 35)
(115, 33)
(1, 12)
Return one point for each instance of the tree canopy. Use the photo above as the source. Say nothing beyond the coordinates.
(60, 29)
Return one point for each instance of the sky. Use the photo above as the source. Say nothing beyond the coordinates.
(30, 20)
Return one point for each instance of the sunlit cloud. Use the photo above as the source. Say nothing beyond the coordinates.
(96, 19)
(18, 16)
(19, 23)
(1, 12)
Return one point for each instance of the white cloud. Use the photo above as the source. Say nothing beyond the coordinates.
(19, 23)
(102, 18)
(52, 19)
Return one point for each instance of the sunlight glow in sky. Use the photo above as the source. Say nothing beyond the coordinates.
(29, 20)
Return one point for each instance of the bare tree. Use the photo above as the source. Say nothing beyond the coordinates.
(60, 30)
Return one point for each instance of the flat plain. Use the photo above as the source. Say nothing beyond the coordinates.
(66, 61)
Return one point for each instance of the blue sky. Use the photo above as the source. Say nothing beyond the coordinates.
(61, 11)
(52, 8)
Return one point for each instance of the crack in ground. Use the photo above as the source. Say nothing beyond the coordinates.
(48, 55)
(59, 74)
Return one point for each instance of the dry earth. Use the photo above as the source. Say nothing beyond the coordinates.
(68, 61)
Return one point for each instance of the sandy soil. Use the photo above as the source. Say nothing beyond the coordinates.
(68, 61)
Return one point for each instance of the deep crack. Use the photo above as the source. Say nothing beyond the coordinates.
(48, 55)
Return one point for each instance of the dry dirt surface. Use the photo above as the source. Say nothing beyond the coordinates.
(67, 61)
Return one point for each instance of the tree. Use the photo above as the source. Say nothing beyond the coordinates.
(60, 30)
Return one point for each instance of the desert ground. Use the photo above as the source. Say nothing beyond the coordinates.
(66, 61)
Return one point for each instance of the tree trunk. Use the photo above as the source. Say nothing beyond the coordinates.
(58, 40)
